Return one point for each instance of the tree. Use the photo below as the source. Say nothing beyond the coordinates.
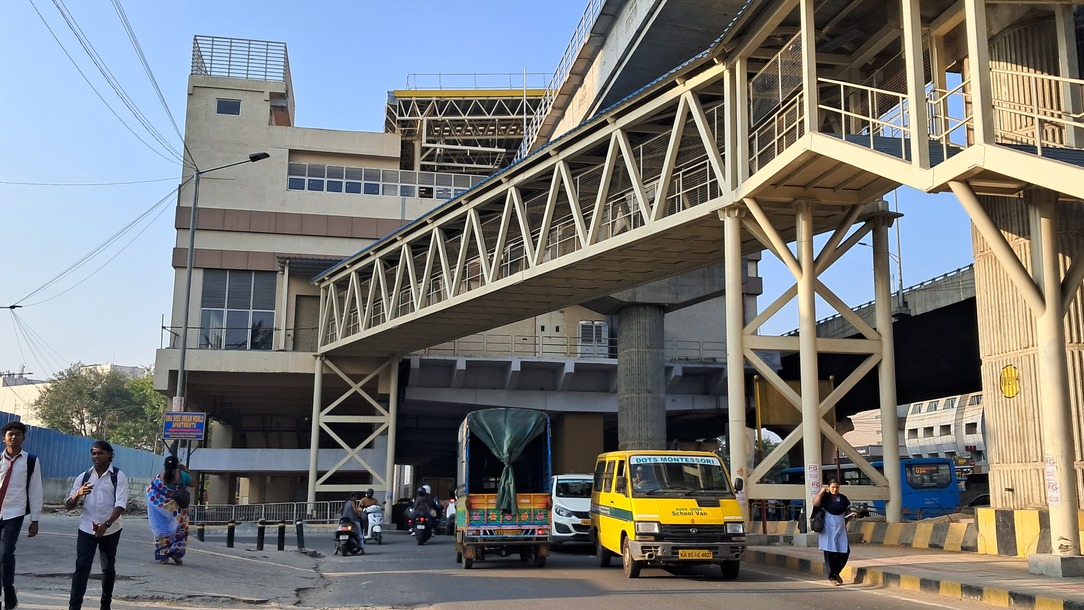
(104, 404)
(145, 431)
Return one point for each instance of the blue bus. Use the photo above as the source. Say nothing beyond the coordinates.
(929, 485)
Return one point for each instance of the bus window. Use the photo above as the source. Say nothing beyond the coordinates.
(928, 476)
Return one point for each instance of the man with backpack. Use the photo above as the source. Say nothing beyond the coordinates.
(20, 495)
(104, 492)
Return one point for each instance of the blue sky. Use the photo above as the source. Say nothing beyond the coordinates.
(344, 57)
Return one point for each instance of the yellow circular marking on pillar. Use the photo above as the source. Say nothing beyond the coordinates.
(1010, 381)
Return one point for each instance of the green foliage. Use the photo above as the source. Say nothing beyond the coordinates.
(87, 401)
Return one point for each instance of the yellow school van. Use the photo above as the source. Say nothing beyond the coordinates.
(666, 508)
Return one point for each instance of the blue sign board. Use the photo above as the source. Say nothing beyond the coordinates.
(188, 426)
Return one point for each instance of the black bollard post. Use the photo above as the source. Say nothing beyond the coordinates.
(199, 531)
(300, 526)
(282, 535)
(261, 526)
(229, 534)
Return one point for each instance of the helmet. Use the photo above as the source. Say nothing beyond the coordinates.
(421, 491)
(369, 493)
(426, 489)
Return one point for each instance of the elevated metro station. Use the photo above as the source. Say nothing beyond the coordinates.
(793, 122)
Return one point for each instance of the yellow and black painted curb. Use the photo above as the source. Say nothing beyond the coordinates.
(889, 579)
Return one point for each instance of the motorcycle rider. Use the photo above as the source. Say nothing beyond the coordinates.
(365, 502)
(350, 511)
(425, 504)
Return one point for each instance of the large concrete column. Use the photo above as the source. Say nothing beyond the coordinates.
(314, 442)
(641, 378)
(886, 374)
(807, 350)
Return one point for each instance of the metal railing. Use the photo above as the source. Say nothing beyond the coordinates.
(481, 80)
(548, 346)
(868, 113)
(1046, 111)
(564, 68)
(238, 58)
(312, 512)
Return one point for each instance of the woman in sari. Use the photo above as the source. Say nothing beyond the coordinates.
(169, 520)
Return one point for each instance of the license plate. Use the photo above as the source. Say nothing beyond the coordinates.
(693, 554)
(585, 522)
(509, 532)
(419, 527)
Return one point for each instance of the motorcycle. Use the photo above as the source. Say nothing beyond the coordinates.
(375, 516)
(423, 528)
(348, 539)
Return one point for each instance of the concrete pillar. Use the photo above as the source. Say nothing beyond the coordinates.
(314, 440)
(886, 374)
(641, 378)
(807, 347)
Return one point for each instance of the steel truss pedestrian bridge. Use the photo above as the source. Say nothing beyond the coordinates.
(794, 123)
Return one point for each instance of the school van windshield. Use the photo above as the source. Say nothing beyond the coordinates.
(655, 475)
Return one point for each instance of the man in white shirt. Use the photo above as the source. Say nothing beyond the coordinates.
(104, 490)
(20, 495)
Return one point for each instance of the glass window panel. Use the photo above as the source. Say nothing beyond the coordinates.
(444, 179)
(297, 169)
(354, 173)
(263, 289)
(425, 178)
(214, 288)
(461, 180)
(229, 106)
(443, 193)
(335, 171)
(459, 192)
(389, 189)
(425, 192)
(406, 190)
(371, 188)
(334, 186)
(317, 171)
(408, 177)
(211, 324)
(316, 185)
(239, 290)
(372, 174)
(295, 184)
(353, 187)
(236, 329)
(389, 175)
(263, 329)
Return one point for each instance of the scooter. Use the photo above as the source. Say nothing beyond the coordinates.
(423, 527)
(375, 516)
(348, 539)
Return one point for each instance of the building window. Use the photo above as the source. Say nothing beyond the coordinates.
(912, 433)
(976, 399)
(229, 106)
(932, 407)
(946, 430)
(950, 403)
(971, 428)
(318, 177)
(237, 309)
(916, 408)
(927, 432)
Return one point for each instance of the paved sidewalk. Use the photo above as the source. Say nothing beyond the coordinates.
(996, 580)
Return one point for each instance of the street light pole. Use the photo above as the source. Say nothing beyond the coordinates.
(179, 396)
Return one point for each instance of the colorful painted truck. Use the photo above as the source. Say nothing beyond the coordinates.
(503, 500)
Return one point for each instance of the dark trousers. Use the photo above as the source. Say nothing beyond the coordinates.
(835, 562)
(9, 535)
(84, 559)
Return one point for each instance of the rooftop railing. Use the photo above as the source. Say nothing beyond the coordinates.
(238, 58)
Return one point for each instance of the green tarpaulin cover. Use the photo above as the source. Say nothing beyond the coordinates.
(506, 432)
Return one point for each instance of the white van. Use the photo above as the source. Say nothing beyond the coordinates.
(571, 513)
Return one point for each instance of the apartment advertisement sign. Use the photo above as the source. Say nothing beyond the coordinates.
(185, 426)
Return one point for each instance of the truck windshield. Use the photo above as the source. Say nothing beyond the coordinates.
(661, 475)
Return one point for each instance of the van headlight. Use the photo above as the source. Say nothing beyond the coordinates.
(647, 527)
(561, 511)
(735, 527)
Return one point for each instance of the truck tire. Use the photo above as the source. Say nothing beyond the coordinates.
(730, 569)
(468, 563)
(631, 566)
(539, 559)
(602, 553)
